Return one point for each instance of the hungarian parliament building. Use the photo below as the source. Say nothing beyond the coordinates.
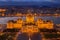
(30, 24)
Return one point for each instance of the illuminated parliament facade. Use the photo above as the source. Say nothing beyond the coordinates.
(29, 24)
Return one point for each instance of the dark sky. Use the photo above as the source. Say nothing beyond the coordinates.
(30, 2)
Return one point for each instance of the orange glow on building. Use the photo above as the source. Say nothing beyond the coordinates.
(30, 29)
(2, 10)
(18, 14)
(15, 24)
(30, 25)
(43, 24)
(30, 18)
(58, 25)
(10, 24)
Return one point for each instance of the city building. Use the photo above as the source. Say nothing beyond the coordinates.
(30, 25)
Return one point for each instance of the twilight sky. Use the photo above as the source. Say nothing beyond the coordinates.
(33, 0)
(55, 3)
(29, 0)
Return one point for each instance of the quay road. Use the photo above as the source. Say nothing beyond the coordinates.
(35, 14)
(42, 35)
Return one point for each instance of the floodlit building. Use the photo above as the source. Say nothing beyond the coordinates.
(29, 18)
(18, 23)
(14, 24)
(44, 24)
(30, 25)
(40, 23)
(2, 12)
(10, 24)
